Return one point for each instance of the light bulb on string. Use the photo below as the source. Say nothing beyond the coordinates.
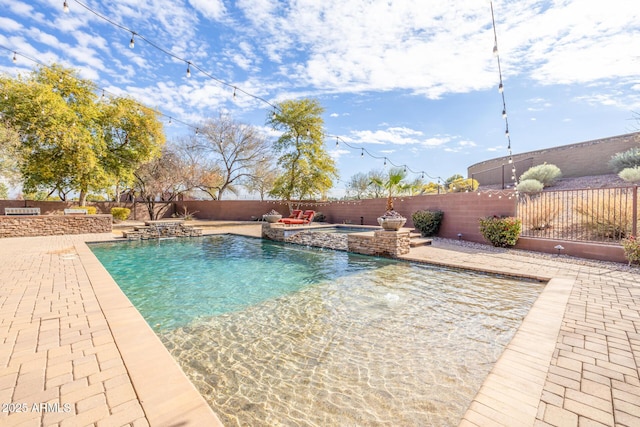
(362, 152)
(495, 50)
(274, 115)
(308, 132)
(500, 87)
(504, 114)
(170, 122)
(188, 69)
(15, 57)
(385, 161)
(132, 42)
(506, 133)
(65, 7)
(234, 93)
(337, 142)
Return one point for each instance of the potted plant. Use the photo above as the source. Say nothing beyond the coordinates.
(391, 220)
(272, 216)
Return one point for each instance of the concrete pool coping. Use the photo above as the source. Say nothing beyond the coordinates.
(533, 383)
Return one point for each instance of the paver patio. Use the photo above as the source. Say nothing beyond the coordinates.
(75, 352)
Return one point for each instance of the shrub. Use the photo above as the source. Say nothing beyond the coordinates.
(461, 185)
(319, 217)
(427, 221)
(630, 174)
(546, 174)
(501, 231)
(529, 186)
(540, 210)
(120, 214)
(609, 217)
(631, 247)
(91, 210)
(626, 159)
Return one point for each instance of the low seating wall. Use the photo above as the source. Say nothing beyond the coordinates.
(54, 225)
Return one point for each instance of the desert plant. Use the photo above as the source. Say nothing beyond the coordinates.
(185, 215)
(546, 174)
(501, 231)
(91, 210)
(541, 210)
(631, 247)
(630, 174)
(461, 185)
(608, 217)
(427, 221)
(529, 186)
(120, 214)
(625, 159)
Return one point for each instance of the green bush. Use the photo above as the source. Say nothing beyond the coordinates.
(630, 174)
(626, 159)
(120, 214)
(427, 221)
(529, 186)
(546, 174)
(501, 232)
(631, 247)
(91, 210)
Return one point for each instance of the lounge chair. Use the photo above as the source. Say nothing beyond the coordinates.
(295, 214)
(306, 218)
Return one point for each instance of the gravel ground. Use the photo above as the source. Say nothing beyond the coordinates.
(437, 241)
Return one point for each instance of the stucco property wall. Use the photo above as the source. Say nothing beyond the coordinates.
(574, 160)
(462, 210)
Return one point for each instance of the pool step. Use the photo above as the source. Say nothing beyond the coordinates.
(417, 239)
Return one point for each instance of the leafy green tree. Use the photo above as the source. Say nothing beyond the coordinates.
(4, 191)
(132, 135)
(69, 139)
(9, 149)
(307, 168)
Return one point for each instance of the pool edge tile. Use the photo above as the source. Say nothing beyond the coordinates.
(538, 333)
(167, 399)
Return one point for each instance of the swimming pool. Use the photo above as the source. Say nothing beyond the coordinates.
(301, 336)
(343, 229)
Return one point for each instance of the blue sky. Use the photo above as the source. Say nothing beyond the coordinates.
(411, 80)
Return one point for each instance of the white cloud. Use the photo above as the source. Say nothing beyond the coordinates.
(211, 9)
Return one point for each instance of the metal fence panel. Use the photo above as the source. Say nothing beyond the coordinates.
(604, 215)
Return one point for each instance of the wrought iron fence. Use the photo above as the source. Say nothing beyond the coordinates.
(595, 214)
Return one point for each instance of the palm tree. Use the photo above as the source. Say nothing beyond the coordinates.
(392, 185)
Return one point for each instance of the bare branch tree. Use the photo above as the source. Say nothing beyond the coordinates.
(237, 149)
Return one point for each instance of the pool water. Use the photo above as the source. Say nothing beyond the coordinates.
(343, 229)
(280, 335)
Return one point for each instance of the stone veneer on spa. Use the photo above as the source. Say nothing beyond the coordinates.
(378, 242)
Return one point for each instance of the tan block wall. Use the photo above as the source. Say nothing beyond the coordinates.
(52, 225)
(574, 160)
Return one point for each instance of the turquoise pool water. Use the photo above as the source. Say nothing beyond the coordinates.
(172, 282)
(279, 335)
